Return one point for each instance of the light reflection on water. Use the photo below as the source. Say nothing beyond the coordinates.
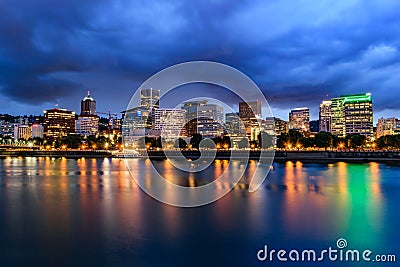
(90, 212)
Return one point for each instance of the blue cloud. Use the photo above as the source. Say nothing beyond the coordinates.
(298, 52)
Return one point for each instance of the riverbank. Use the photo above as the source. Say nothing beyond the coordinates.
(56, 153)
(306, 156)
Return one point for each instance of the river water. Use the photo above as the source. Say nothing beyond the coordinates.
(90, 212)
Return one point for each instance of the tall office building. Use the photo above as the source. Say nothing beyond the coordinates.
(325, 116)
(37, 130)
(389, 126)
(281, 126)
(87, 122)
(250, 114)
(358, 114)
(299, 119)
(87, 125)
(59, 122)
(211, 111)
(88, 105)
(170, 123)
(352, 114)
(268, 125)
(150, 99)
(136, 121)
(338, 126)
(210, 120)
(191, 109)
(233, 125)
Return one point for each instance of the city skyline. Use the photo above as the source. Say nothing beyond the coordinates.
(224, 106)
(52, 56)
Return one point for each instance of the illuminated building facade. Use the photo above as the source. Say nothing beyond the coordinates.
(325, 117)
(150, 99)
(389, 126)
(191, 108)
(299, 119)
(88, 105)
(338, 126)
(210, 120)
(136, 122)
(352, 114)
(22, 131)
(170, 123)
(59, 122)
(250, 114)
(37, 130)
(358, 114)
(281, 126)
(233, 125)
(209, 128)
(87, 122)
(87, 125)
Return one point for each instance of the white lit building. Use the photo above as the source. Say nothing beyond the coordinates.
(210, 120)
(37, 130)
(169, 123)
(87, 125)
(325, 117)
(389, 126)
(299, 119)
(22, 132)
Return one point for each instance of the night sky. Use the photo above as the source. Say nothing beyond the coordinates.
(298, 52)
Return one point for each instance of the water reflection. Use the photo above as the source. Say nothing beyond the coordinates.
(92, 209)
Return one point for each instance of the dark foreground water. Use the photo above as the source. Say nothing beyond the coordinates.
(89, 212)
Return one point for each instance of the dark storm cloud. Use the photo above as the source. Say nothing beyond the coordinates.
(298, 52)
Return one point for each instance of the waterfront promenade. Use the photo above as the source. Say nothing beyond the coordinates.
(279, 155)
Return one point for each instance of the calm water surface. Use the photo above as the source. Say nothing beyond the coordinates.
(89, 212)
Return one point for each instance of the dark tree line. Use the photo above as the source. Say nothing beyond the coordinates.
(294, 139)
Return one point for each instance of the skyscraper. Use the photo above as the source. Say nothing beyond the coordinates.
(211, 111)
(281, 126)
(37, 130)
(210, 120)
(150, 99)
(358, 114)
(59, 122)
(325, 116)
(233, 125)
(88, 105)
(169, 122)
(87, 125)
(191, 109)
(250, 114)
(299, 119)
(87, 122)
(352, 114)
(338, 126)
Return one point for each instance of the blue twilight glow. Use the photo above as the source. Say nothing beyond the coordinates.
(298, 52)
